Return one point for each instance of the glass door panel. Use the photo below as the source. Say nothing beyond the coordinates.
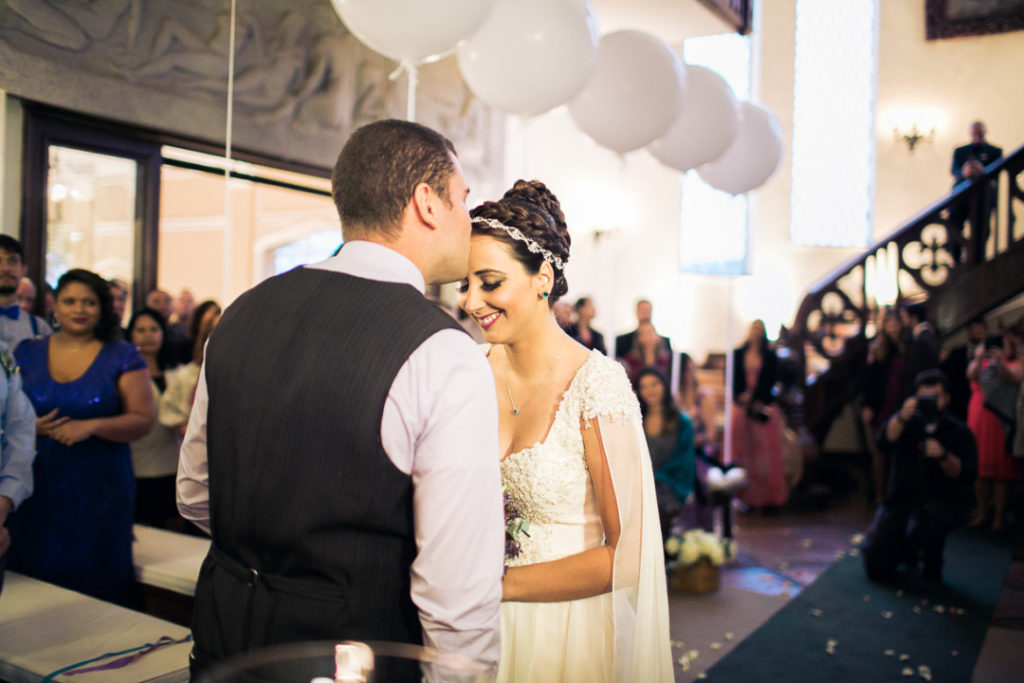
(92, 211)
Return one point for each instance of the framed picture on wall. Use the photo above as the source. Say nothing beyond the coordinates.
(956, 18)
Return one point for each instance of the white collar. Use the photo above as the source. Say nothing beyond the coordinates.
(373, 261)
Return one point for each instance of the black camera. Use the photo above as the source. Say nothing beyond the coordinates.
(927, 409)
(993, 341)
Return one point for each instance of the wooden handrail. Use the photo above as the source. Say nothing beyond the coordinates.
(736, 12)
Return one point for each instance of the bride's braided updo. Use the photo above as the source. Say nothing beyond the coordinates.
(534, 210)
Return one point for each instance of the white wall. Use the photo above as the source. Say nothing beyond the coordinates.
(957, 80)
(640, 199)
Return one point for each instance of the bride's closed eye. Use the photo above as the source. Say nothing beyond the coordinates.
(486, 286)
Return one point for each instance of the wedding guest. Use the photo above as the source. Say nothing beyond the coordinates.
(933, 463)
(756, 423)
(581, 330)
(177, 335)
(923, 349)
(26, 294)
(624, 343)
(119, 298)
(954, 364)
(17, 448)
(670, 440)
(184, 307)
(1017, 449)
(565, 315)
(16, 325)
(697, 403)
(161, 302)
(969, 162)
(995, 374)
(155, 455)
(885, 387)
(48, 301)
(713, 476)
(92, 396)
(176, 403)
(203, 310)
(648, 349)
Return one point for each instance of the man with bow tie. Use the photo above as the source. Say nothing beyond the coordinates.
(16, 325)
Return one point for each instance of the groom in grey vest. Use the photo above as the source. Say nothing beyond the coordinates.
(342, 448)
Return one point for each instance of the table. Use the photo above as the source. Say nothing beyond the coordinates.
(44, 628)
(168, 560)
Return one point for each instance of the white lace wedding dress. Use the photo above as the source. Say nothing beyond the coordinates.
(617, 636)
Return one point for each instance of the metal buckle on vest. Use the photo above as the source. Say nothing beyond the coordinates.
(254, 578)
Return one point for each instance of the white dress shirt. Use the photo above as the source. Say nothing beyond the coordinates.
(440, 424)
(18, 427)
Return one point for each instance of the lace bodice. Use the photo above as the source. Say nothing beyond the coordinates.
(549, 481)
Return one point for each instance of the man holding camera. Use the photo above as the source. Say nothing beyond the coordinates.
(933, 464)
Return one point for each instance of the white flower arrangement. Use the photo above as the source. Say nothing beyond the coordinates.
(689, 547)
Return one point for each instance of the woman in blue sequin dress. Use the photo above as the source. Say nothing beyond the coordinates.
(92, 397)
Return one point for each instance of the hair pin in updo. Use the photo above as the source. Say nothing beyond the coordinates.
(517, 234)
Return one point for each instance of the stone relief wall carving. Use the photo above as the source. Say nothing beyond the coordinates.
(302, 81)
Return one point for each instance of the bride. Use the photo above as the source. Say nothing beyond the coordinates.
(585, 598)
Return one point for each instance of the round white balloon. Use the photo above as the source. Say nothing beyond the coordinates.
(706, 124)
(531, 55)
(412, 30)
(634, 94)
(753, 155)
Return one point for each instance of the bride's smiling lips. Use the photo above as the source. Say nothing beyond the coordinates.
(485, 321)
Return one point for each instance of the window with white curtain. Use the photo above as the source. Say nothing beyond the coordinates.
(714, 235)
(834, 86)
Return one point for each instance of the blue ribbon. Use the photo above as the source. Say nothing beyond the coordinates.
(139, 651)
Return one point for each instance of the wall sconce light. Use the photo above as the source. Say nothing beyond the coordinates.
(913, 136)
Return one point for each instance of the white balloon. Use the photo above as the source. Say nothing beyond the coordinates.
(412, 30)
(634, 94)
(531, 55)
(706, 124)
(753, 155)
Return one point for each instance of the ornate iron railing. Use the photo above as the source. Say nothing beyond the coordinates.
(963, 255)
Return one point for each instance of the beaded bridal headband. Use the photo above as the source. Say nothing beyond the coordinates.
(530, 243)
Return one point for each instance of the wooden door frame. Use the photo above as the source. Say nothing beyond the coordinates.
(45, 126)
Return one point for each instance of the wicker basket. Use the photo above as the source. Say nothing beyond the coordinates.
(698, 578)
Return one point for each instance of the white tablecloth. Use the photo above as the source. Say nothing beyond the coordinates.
(44, 628)
(168, 560)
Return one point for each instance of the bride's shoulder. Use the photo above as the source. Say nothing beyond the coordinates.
(485, 348)
(605, 389)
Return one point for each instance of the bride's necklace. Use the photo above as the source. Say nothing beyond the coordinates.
(543, 381)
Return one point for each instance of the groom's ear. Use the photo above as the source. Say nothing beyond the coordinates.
(425, 204)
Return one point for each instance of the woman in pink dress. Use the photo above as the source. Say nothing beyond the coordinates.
(756, 424)
(996, 468)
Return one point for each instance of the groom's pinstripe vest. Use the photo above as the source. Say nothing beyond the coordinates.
(312, 524)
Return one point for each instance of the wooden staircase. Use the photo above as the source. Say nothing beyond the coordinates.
(959, 272)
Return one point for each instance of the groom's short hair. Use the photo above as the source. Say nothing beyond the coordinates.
(378, 170)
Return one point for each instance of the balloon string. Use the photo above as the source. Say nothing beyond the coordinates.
(411, 70)
(226, 260)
